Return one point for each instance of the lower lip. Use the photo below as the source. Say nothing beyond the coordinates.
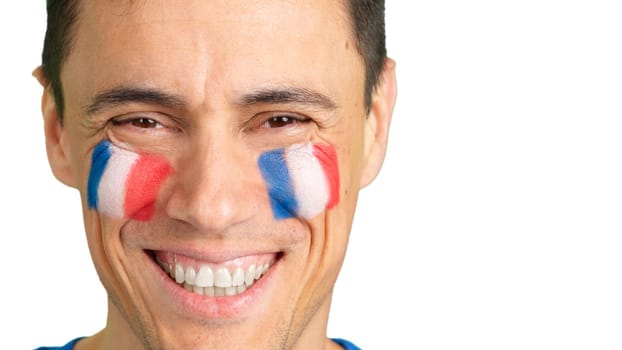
(204, 307)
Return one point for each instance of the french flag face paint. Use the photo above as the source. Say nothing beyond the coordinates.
(124, 184)
(302, 179)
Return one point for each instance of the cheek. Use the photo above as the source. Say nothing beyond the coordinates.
(124, 184)
(302, 180)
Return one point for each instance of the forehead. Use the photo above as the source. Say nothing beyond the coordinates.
(201, 45)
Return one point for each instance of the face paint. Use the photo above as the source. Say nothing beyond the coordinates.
(302, 180)
(125, 184)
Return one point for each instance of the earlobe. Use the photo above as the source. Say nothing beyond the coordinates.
(55, 134)
(378, 122)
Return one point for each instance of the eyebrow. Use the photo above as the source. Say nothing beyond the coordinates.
(282, 95)
(128, 94)
(285, 95)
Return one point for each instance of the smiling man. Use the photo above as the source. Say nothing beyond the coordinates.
(219, 147)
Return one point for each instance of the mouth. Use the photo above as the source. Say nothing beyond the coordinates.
(223, 279)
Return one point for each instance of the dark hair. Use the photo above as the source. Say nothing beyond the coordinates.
(368, 25)
(368, 18)
(62, 17)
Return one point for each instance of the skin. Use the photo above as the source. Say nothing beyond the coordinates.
(215, 205)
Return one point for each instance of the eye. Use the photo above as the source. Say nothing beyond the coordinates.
(146, 123)
(280, 121)
(139, 122)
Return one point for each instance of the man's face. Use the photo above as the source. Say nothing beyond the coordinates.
(209, 89)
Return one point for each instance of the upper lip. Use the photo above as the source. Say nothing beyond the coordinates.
(214, 256)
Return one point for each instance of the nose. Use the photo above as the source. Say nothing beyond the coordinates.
(216, 186)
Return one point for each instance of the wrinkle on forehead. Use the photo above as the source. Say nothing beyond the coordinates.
(198, 47)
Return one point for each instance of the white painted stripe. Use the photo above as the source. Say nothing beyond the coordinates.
(112, 189)
(308, 180)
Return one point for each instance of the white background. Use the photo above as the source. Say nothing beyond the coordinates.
(495, 224)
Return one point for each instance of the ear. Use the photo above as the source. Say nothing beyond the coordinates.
(377, 123)
(55, 134)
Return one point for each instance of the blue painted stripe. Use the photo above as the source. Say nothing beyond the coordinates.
(276, 175)
(99, 160)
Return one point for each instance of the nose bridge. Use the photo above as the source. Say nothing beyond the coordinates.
(215, 185)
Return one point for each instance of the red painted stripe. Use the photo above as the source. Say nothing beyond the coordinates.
(142, 186)
(327, 156)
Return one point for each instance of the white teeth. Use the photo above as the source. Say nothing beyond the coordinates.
(250, 275)
(190, 276)
(205, 277)
(212, 282)
(165, 267)
(222, 278)
(260, 270)
(179, 274)
(237, 279)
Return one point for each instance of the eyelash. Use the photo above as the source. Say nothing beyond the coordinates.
(273, 122)
(151, 123)
(283, 120)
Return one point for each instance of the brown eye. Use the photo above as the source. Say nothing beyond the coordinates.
(280, 121)
(145, 123)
